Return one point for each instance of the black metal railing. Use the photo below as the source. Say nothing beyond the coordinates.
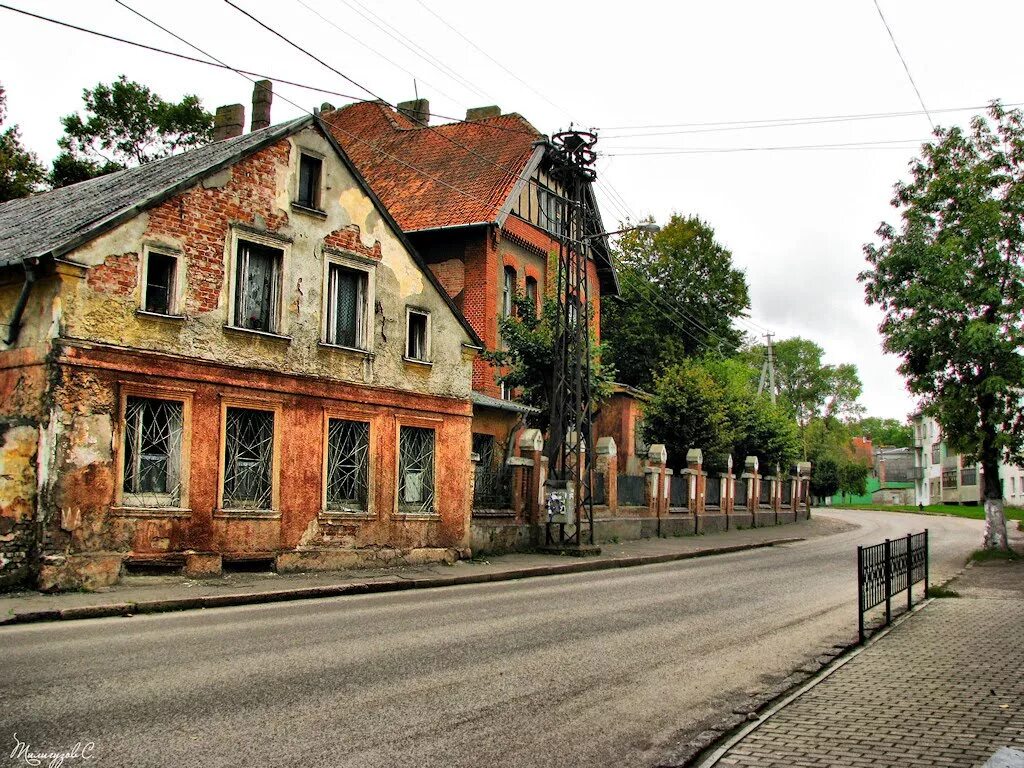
(886, 569)
(713, 491)
(679, 492)
(492, 487)
(740, 499)
(632, 491)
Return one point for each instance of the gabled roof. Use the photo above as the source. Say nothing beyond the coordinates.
(56, 222)
(423, 175)
(53, 223)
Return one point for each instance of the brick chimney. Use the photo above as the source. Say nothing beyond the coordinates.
(417, 110)
(482, 113)
(228, 122)
(262, 95)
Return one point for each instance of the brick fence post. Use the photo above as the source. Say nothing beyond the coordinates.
(803, 471)
(657, 457)
(606, 463)
(728, 493)
(531, 446)
(751, 478)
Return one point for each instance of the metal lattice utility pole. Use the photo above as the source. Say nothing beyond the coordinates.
(768, 369)
(568, 491)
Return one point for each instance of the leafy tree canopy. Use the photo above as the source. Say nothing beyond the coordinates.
(126, 124)
(884, 432)
(679, 295)
(950, 282)
(20, 171)
(529, 357)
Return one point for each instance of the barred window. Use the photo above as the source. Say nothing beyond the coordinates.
(152, 452)
(949, 478)
(348, 444)
(416, 470)
(969, 476)
(248, 459)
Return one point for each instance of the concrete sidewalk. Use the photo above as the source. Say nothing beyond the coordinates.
(944, 688)
(151, 594)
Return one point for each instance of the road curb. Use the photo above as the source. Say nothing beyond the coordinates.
(372, 587)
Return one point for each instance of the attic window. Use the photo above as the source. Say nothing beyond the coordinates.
(417, 335)
(310, 170)
(160, 283)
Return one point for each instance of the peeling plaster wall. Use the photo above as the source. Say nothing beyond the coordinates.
(257, 193)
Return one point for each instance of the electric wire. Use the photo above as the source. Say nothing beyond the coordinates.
(906, 68)
(898, 144)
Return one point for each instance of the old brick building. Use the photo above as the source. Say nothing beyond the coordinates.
(476, 199)
(232, 354)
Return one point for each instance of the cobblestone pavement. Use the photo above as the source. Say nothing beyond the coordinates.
(944, 688)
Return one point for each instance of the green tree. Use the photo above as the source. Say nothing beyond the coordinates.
(853, 478)
(530, 357)
(888, 432)
(679, 295)
(825, 478)
(20, 171)
(950, 281)
(126, 124)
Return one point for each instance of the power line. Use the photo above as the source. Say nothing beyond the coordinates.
(245, 72)
(847, 146)
(906, 69)
(491, 58)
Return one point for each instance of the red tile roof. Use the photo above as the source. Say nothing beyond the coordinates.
(448, 175)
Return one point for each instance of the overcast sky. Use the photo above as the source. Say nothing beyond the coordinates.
(795, 219)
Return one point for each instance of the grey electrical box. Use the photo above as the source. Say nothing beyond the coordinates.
(560, 501)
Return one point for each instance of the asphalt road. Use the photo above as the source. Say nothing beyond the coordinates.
(595, 669)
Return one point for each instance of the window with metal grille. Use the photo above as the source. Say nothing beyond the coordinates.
(160, 283)
(969, 476)
(418, 335)
(152, 452)
(310, 169)
(248, 459)
(348, 448)
(258, 287)
(416, 470)
(346, 306)
(949, 478)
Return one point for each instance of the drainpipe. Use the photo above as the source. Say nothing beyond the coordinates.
(19, 307)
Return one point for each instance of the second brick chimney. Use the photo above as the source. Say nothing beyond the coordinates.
(228, 122)
(262, 96)
(417, 110)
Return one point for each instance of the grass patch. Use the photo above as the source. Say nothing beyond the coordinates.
(941, 590)
(987, 555)
(973, 512)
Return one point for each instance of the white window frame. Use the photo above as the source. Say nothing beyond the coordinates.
(357, 264)
(176, 302)
(238, 236)
(409, 311)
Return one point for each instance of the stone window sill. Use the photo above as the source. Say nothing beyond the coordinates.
(151, 512)
(344, 349)
(246, 514)
(314, 212)
(416, 361)
(159, 316)
(233, 329)
(337, 516)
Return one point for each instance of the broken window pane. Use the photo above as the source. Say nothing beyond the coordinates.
(416, 470)
(248, 459)
(160, 280)
(258, 285)
(346, 306)
(348, 444)
(152, 452)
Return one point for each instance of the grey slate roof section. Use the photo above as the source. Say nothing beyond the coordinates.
(487, 401)
(52, 223)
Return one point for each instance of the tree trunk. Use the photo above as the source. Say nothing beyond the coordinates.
(995, 519)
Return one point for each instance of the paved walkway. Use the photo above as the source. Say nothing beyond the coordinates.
(944, 688)
(139, 594)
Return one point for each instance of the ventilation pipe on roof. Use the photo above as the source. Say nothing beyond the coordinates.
(262, 95)
(228, 122)
(417, 110)
(482, 113)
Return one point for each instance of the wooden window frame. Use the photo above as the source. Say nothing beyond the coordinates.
(358, 264)
(272, 405)
(267, 240)
(317, 207)
(428, 341)
(128, 389)
(177, 298)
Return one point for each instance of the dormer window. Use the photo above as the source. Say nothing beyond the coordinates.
(310, 172)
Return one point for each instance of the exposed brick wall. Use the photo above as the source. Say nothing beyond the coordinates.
(348, 239)
(201, 219)
(452, 276)
(118, 274)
